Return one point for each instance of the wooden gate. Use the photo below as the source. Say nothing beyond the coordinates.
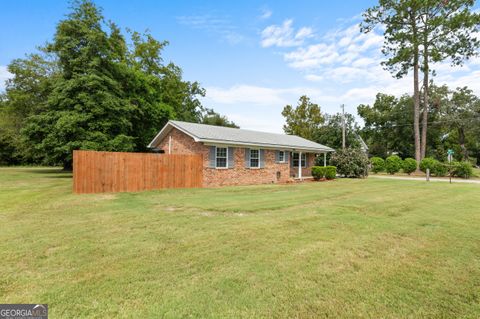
(100, 172)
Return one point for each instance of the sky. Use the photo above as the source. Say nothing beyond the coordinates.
(252, 57)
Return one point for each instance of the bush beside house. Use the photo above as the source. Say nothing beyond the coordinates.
(328, 172)
(350, 162)
(318, 172)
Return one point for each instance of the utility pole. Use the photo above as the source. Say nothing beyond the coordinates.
(343, 126)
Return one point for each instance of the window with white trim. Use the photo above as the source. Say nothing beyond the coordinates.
(281, 156)
(295, 160)
(221, 157)
(254, 158)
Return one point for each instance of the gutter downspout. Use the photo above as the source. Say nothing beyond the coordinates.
(169, 144)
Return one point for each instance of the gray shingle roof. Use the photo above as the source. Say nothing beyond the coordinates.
(233, 136)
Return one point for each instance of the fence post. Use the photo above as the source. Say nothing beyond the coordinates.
(428, 174)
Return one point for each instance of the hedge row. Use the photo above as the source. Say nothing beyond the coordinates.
(328, 172)
(393, 164)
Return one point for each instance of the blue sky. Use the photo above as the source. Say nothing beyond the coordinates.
(253, 57)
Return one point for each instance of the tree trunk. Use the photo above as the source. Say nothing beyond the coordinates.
(423, 144)
(416, 97)
(461, 141)
(416, 114)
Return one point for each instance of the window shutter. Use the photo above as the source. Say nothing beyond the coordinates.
(231, 157)
(247, 158)
(212, 157)
(262, 158)
(287, 156)
(291, 161)
(277, 156)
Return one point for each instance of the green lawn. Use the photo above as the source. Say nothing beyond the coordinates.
(344, 249)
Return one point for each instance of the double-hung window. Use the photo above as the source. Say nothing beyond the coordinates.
(254, 158)
(303, 160)
(281, 156)
(221, 157)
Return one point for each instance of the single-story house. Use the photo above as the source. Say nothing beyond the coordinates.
(234, 156)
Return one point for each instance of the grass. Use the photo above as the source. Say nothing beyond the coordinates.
(344, 249)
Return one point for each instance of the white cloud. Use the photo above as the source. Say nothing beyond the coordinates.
(284, 35)
(256, 95)
(4, 76)
(266, 13)
(256, 107)
(314, 77)
(219, 26)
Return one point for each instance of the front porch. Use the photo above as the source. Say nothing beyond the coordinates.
(301, 164)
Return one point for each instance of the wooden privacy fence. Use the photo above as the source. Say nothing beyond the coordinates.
(100, 172)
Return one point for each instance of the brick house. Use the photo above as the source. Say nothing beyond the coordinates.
(240, 157)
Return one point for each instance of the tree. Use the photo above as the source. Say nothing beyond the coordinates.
(90, 89)
(448, 32)
(401, 46)
(211, 117)
(87, 108)
(387, 125)
(330, 133)
(462, 114)
(432, 30)
(304, 120)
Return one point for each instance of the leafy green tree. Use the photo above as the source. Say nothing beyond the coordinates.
(448, 32)
(96, 91)
(87, 108)
(26, 94)
(304, 120)
(330, 133)
(462, 115)
(401, 46)
(387, 125)
(428, 30)
(211, 117)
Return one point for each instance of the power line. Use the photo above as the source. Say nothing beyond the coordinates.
(435, 122)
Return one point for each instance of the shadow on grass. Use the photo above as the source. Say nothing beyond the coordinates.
(51, 172)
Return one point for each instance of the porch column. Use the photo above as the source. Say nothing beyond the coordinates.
(324, 159)
(300, 165)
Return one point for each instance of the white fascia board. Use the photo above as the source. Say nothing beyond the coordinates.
(165, 130)
(268, 146)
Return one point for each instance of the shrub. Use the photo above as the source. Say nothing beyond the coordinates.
(462, 169)
(427, 162)
(350, 162)
(378, 164)
(330, 172)
(393, 164)
(409, 165)
(440, 169)
(318, 172)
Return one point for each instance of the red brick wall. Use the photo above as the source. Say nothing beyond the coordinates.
(239, 174)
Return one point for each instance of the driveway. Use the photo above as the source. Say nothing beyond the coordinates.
(432, 179)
